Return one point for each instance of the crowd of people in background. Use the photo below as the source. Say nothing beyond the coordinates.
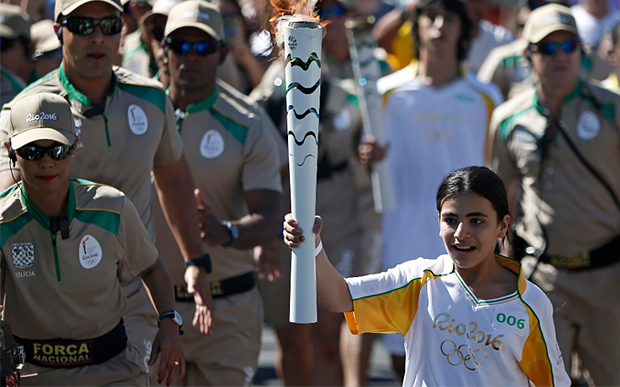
(181, 105)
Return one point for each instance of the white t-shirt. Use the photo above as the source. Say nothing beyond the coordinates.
(431, 131)
(489, 37)
(590, 28)
(453, 338)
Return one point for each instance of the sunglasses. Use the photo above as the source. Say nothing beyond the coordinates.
(552, 48)
(182, 47)
(36, 153)
(111, 25)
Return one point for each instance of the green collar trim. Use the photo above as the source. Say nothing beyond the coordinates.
(39, 216)
(74, 93)
(572, 95)
(71, 90)
(205, 104)
(143, 46)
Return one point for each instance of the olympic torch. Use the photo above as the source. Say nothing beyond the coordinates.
(366, 71)
(302, 50)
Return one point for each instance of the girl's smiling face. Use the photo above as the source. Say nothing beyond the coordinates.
(470, 229)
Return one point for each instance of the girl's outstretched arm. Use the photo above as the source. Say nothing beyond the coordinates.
(332, 289)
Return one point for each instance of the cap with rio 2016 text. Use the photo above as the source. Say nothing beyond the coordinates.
(43, 116)
(65, 7)
(547, 19)
(198, 14)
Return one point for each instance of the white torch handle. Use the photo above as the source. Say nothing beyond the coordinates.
(366, 71)
(302, 50)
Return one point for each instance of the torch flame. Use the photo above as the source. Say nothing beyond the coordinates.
(291, 9)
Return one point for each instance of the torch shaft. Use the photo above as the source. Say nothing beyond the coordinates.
(366, 71)
(302, 49)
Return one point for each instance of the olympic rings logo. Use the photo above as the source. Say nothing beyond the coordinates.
(464, 354)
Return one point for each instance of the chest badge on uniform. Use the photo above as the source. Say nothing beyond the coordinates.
(90, 252)
(212, 144)
(138, 122)
(23, 254)
(588, 126)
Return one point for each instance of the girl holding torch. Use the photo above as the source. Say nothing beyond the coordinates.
(469, 317)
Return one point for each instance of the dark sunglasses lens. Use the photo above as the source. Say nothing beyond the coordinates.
(80, 26)
(569, 46)
(551, 48)
(182, 47)
(202, 48)
(111, 25)
(548, 48)
(61, 152)
(86, 26)
(34, 153)
(30, 153)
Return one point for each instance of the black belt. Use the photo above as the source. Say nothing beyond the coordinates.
(605, 255)
(61, 353)
(219, 289)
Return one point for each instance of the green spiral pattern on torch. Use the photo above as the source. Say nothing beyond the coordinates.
(300, 63)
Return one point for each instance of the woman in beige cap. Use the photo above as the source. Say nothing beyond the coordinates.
(66, 245)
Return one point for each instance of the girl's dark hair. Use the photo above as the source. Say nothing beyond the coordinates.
(467, 27)
(479, 180)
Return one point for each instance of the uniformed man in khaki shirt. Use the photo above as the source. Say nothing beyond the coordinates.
(558, 145)
(234, 160)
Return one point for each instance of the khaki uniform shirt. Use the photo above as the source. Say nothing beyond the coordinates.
(70, 290)
(229, 150)
(137, 57)
(121, 144)
(560, 195)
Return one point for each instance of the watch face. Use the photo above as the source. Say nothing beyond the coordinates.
(234, 230)
(178, 319)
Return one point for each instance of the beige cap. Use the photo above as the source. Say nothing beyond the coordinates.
(65, 7)
(42, 116)
(161, 7)
(13, 22)
(44, 37)
(547, 19)
(198, 14)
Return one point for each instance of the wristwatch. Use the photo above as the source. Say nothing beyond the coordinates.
(175, 316)
(204, 261)
(233, 231)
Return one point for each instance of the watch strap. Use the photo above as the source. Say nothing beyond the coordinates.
(204, 262)
(174, 316)
(233, 234)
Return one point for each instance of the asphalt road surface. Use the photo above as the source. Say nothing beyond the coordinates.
(380, 373)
